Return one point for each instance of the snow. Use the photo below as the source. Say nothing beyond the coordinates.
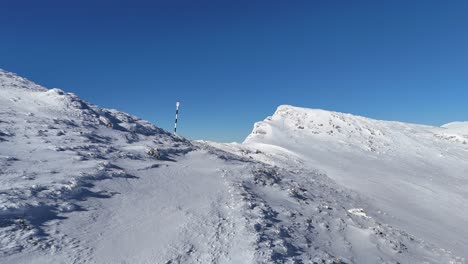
(457, 127)
(417, 174)
(83, 184)
(358, 212)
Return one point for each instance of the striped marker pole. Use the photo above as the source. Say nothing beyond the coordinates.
(176, 116)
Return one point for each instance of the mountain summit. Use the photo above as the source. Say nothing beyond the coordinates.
(415, 173)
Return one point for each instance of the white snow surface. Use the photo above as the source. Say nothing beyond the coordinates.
(457, 127)
(83, 184)
(417, 175)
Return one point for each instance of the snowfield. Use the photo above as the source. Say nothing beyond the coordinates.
(416, 174)
(457, 127)
(83, 184)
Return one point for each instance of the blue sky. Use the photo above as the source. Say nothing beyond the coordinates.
(231, 63)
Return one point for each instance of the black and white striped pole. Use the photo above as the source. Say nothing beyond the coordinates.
(176, 116)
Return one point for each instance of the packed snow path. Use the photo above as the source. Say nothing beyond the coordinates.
(82, 184)
(171, 213)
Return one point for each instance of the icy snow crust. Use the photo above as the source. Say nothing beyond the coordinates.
(82, 184)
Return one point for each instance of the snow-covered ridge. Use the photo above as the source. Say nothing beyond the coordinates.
(417, 173)
(11, 80)
(83, 184)
(350, 131)
(54, 146)
(457, 127)
(32, 99)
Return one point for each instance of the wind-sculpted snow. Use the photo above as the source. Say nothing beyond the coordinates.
(417, 174)
(83, 184)
(302, 216)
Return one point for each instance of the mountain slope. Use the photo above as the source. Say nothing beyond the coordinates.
(457, 127)
(83, 184)
(417, 174)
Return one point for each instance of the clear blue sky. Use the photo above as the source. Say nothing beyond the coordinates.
(231, 63)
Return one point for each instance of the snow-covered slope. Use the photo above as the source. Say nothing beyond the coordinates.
(54, 147)
(416, 174)
(457, 127)
(83, 184)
